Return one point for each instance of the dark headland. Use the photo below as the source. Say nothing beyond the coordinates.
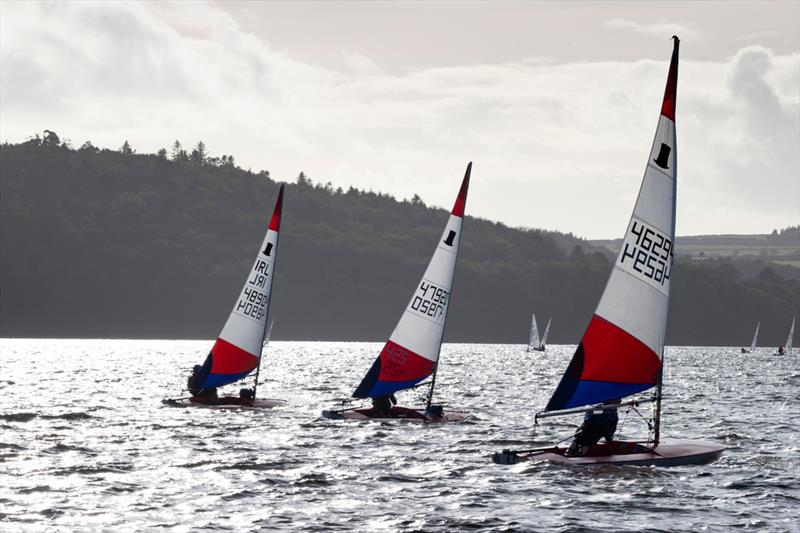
(111, 243)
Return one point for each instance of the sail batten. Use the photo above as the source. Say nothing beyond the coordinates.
(622, 349)
(412, 351)
(237, 350)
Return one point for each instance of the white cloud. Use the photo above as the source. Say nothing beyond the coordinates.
(555, 145)
(662, 29)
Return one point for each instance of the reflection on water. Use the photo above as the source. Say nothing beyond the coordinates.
(85, 444)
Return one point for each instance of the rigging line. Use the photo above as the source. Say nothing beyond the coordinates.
(619, 429)
(646, 421)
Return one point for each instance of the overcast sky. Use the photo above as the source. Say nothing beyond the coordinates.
(556, 103)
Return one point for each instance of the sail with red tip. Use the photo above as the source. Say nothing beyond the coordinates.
(237, 351)
(622, 349)
(412, 351)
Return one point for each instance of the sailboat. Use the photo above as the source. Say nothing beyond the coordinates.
(786, 349)
(621, 352)
(411, 354)
(534, 343)
(753, 344)
(238, 349)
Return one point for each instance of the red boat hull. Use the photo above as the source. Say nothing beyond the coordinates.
(667, 453)
(398, 413)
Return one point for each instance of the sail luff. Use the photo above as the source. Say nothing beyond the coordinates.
(412, 352)
(622, 349)
(790, 337)
(274, 225)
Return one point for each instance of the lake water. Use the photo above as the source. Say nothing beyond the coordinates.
(86, 445)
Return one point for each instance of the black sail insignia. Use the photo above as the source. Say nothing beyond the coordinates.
(663, 156)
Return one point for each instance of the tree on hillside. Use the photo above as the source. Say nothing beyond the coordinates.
(50, 138)
(178, 153)
(126, 149)
(199, 155)
(89, 147)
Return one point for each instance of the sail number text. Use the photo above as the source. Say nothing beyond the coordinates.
(430, 300)
(648, 252)
(252, 302)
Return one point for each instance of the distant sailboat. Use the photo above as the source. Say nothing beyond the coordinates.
(534, 343)
(237, 351)
(621, 352)
(412, 352)
(786, 349)
(753, 344)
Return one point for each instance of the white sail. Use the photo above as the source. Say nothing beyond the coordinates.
(533, 336)
(412, 351)
(755, 338)
(789, 338)
(268, 336)
(621, 351)
(238, 348)
(546, 333)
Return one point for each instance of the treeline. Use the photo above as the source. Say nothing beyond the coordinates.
(102, 243)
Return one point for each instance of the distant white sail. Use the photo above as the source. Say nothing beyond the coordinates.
(268, 336)
(755, 338)
(789, 339)
(533, 337)
(546, 333)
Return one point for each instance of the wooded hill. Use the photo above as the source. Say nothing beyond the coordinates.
(101, 243)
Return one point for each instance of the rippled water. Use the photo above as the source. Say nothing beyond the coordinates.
(85, 444)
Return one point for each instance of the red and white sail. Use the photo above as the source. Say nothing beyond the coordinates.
(237, 351)
(621, 352)
(412, 351)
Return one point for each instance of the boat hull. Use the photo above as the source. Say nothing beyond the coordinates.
(668, 453)
(398, 413)
(226, 402)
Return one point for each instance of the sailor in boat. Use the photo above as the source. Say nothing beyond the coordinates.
(382, 406)
(198, 375)
(781, 350)
(596, 425)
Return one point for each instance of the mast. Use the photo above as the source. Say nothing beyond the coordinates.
(668, 108)
(458, 209)
(275, 225)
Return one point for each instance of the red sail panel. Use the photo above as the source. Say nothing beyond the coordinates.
(227, 358)
(275, 221)
(670, 93)
(612, 354)
(461, 199)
